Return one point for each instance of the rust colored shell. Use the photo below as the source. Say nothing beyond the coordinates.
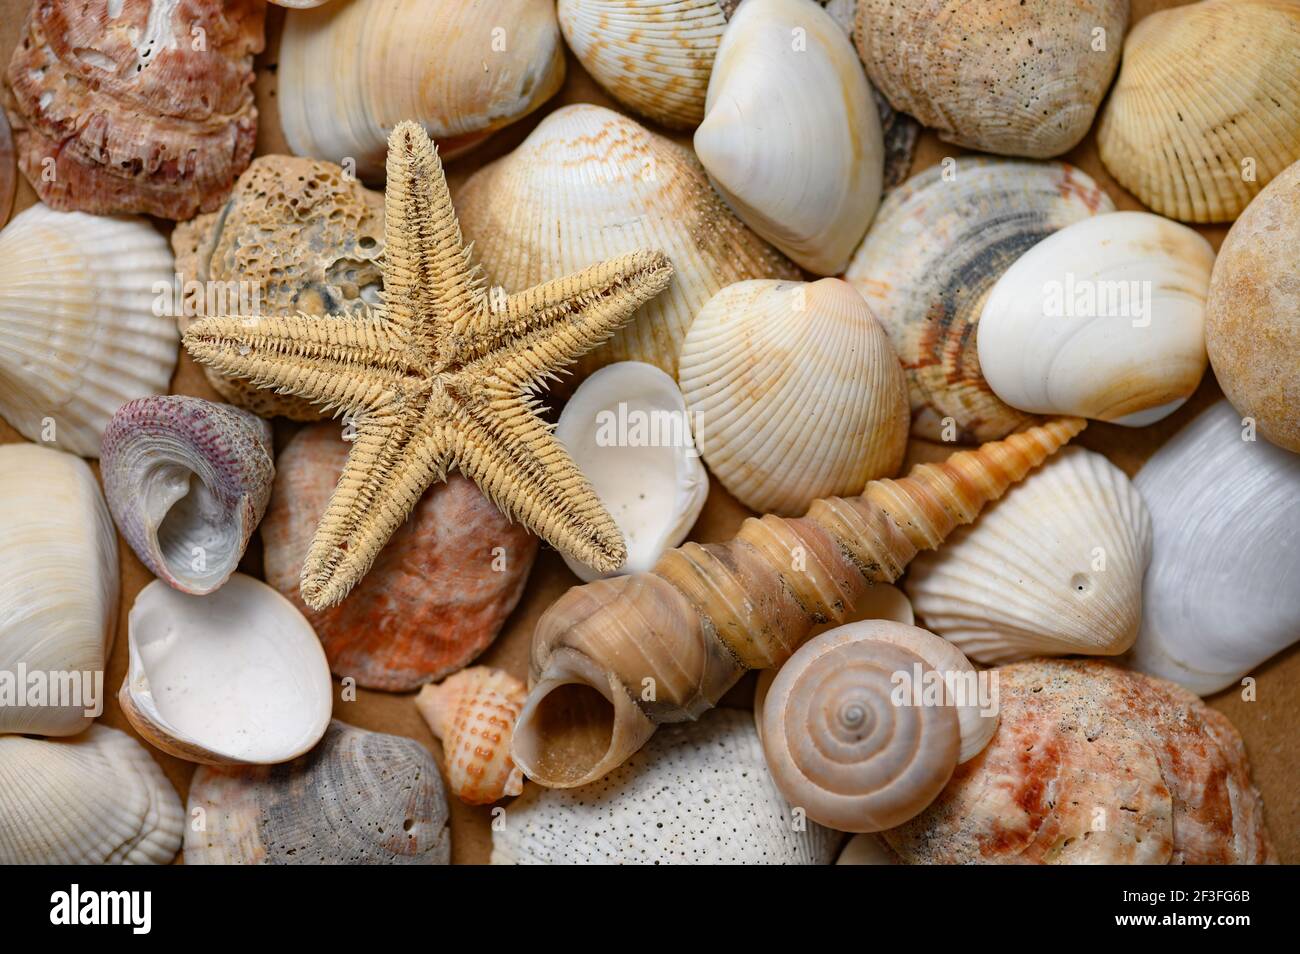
(118, 109)
(298, 233)
(436, 596)
(1095, 764)
(473, 712)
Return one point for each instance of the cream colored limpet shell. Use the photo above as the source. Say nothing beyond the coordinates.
(234, 677)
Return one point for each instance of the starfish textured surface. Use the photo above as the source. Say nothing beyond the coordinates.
(442, 375)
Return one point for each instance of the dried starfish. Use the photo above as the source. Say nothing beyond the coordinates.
(442, 375)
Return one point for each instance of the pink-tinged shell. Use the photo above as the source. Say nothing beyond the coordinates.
(1095, 764)
(473, 712)
(8, 170)
(187, 482)
(133, 117)
(438, 593)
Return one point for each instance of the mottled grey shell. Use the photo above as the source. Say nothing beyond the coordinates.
(697, 793)
(358, 798)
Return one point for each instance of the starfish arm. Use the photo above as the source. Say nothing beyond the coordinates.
(392, 462)
(531, 334)
(503, 446)
(336, 361)
(428, 278)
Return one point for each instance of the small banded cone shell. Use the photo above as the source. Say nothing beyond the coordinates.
(795, 393)
(1206, 110)
(1055, 567)
(791, 136)
(79, 331)
(936, 247)
(59, 591)
(1003, 76)
(359, 798)
(349, 72)
(589, 185)
(1252, 315)
(95, 799)
(473, 712)
(1092, 764)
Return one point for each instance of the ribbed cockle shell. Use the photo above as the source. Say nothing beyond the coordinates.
(473, 712)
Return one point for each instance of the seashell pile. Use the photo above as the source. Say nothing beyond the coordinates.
(878, 347)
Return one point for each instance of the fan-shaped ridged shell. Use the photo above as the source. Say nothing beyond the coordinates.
(473, 712)
(349, 72)
(791, 136)
(1095, 765)
(98, 798)
(1104, 319)
(1220, 597)
(1206, 110)
(79, 336)
(58, 593)
(589, 185)
(1054, 567)
(1252, 314)
(698, 793)
(998, 75)
(360, 798)
(861, 726)
(297, 235)
(937, 245)
(187, 481)
(795, 393)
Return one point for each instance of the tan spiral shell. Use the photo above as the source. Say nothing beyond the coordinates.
(473, 712)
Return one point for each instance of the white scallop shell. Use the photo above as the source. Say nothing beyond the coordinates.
(627, 429)
(95, 799)
(79, 334)
(233, 677)
(1054, 567)
(1221, 596)
(791, 136)
(58, 591)
(795, 393)
(1104, 319)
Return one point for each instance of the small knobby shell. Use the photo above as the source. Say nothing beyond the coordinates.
(187, 482)
(795, 393)
(1104, 319)
(864, 725)
(473, 712)
(359, 798)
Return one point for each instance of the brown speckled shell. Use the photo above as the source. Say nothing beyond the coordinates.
(473, 712)
(1095, 764)
(431, 602)
(134, 117)
(307, 235)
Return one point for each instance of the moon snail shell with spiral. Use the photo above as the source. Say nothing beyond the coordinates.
(615, 658)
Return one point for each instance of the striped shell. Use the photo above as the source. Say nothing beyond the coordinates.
(473, 712)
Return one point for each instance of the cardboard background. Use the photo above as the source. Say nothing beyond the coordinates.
(1269, 725)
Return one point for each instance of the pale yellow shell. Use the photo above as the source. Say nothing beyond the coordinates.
(473, 712)
(1206, 109)
(794, 393)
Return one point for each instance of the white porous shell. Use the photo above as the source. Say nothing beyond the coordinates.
(1104, 319)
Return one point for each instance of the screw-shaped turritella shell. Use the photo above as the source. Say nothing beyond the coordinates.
(1054, 567)
(1206, 109)
(351, 71)
(473, 712)
(360, 798)
(938, 244)
(791, 136)
(187, 481)
(1104, 319)
(79, 334)
(98, 798)
(614, 658)
(998, 75)
(863, 726)
(795, 393)
(588, 185)
(58, 590)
